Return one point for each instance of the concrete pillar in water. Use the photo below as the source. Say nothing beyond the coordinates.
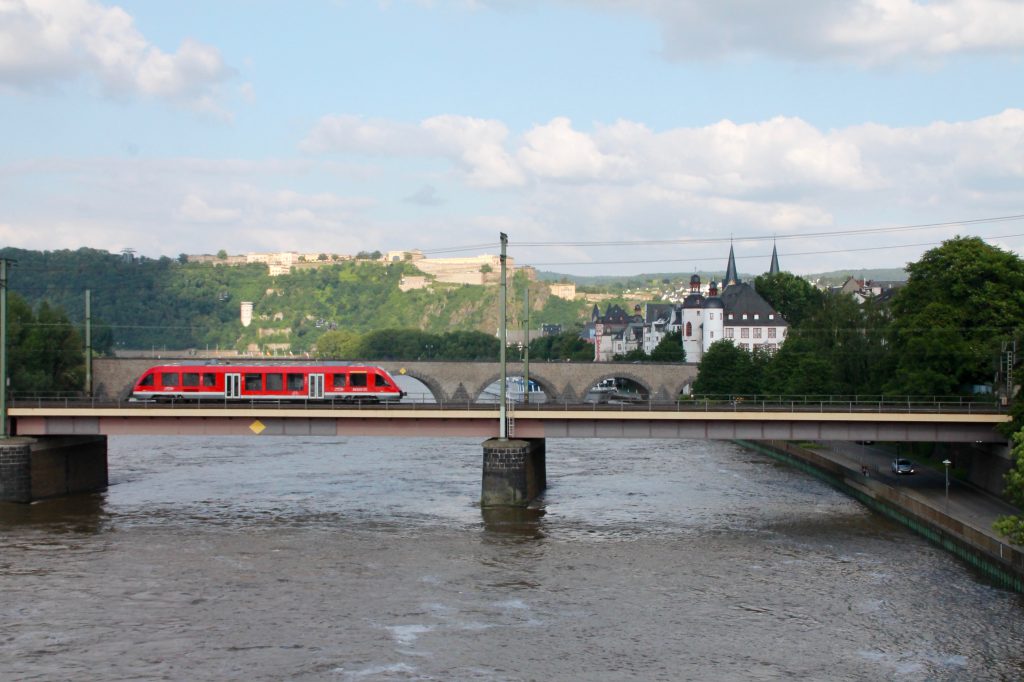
(50, 466)
(514, 472)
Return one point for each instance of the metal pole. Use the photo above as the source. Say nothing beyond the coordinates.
(526, 348)
(502, 335)
(3, 348)
(88, 343)
(946, 462)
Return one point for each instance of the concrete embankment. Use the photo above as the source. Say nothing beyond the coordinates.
(963, 527)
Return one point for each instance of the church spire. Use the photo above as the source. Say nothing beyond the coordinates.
(731, 276)
(774, 268)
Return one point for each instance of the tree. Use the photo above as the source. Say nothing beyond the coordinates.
(962, 300)
(46, 351)
(338, 345)
(669, 349)
(1012, 527)
(793, 297)
(727, 369)
(222, 254)
(565, 346)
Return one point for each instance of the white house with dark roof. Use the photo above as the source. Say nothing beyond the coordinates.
(737, 314)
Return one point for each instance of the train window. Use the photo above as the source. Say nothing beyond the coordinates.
(275, 382)
(357, 379)
(339, 382)
(380, 381)
(296, 381)
(209, 380)
(190, 379)
(254, 382)
(148, 380)
(170, 378)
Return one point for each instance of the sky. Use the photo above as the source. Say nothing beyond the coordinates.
(602, 136)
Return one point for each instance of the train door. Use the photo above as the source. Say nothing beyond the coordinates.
(232, 385)
(316, 386)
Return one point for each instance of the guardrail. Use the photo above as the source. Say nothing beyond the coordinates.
(779, 404)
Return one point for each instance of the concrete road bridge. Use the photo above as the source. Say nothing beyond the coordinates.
(563, 382)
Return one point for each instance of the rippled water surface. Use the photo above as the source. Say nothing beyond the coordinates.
(368, 559)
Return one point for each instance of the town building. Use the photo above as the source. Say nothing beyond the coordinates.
(736, 313)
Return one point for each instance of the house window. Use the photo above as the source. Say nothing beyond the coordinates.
(757, 332)
(728, 332)
(711, 316)
(771, 317)
(756, 316)
(689, 329)
(783, 332)
(731, 316)
(745, 332)
(771, 332)
(712, 335)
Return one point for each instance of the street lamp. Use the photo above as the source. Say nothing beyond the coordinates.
(946, 462)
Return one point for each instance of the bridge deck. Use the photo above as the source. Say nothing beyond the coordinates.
(481, 421)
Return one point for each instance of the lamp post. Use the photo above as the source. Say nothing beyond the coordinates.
(946, 462)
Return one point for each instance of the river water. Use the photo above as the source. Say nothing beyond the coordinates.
(369, 559)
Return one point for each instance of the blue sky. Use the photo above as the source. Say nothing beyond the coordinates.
(342, 126)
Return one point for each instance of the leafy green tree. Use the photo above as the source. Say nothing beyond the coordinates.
(793, 297)
(222, 254)
(565, 346)
(1012, 526)
(46, 351)
(727, 369)
(669, 349)
(338, 345)
(961, 301)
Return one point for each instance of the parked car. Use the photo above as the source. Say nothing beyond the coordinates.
(902, 466)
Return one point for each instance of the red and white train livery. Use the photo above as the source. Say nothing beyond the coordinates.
(348, 383)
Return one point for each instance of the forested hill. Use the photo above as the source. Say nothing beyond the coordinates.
(164, 303)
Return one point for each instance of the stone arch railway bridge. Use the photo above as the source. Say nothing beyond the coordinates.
(563, 382)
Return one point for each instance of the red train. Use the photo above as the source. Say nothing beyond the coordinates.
(347, 383)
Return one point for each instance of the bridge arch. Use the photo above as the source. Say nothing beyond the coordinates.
(432, 384)
(549, 390)
(639, 381)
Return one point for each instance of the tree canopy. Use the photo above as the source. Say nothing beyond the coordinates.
(962, 300)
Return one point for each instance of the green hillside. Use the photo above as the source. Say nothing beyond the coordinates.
(165, 303)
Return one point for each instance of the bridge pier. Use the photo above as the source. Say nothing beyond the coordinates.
(514, 472)
(51, 466)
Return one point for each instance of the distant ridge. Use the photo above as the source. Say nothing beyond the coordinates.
(832, 277)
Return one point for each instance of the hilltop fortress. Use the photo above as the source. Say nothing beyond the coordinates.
(482, 269)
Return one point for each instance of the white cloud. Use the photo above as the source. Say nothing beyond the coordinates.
(556, 150)
(863, 31)
(475, 144)
(617, 181)
(43, 42)
(195, 209)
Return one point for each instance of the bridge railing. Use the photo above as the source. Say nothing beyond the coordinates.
(620, 402)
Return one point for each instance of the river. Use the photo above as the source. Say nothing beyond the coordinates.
(369, 559)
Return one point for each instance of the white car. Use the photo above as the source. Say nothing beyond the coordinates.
(902, 466)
